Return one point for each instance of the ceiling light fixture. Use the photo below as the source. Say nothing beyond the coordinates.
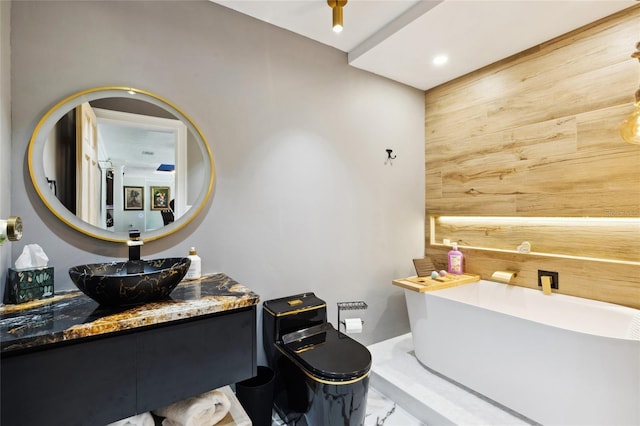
(337, 6)
(630, 129)
(166, 167)
(440, 60)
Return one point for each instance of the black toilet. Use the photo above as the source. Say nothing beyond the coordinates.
(322, 375)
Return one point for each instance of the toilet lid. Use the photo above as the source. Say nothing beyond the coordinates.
(327, 353)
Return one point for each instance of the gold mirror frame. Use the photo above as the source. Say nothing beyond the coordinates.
(35, 158)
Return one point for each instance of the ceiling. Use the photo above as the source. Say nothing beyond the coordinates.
(398, 39)
(141, 150)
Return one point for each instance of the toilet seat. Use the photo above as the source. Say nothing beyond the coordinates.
(327, 355)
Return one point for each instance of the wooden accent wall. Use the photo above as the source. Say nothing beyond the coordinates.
(537, 134)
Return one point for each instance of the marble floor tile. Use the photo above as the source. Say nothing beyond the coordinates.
(403, 393)
(431, 399)
(381, 411)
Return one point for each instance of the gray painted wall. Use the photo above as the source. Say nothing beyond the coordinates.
(303, 200)
(5, 130)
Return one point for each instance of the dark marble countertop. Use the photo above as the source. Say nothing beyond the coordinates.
(72, 315)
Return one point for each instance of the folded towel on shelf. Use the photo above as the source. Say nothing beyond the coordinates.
(144, 419)
(202, 410)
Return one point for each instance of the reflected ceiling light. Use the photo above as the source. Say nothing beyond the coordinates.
(630, 129)
(337, 6)
(440, 60)
(166, 167)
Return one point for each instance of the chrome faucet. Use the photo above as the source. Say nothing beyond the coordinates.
(134, 244)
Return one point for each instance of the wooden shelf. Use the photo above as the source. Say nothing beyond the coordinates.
(422, 284)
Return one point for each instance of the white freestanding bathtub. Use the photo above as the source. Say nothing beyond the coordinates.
(556, 359)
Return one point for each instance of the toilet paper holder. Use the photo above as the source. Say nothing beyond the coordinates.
(349, 306)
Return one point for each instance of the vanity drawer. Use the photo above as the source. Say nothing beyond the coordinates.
(188, 359)
(89, 383)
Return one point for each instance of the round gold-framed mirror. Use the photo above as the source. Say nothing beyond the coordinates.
(111, 159)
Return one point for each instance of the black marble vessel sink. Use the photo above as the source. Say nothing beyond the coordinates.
(131, 282)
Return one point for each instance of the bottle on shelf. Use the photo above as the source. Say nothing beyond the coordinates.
(455, 259)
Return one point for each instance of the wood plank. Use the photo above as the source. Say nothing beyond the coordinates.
(470, 204)
(423, 284)
(562, 237)
(596, 204)
(433, 184)
(599, 130)
(585, 174)
(537, 134)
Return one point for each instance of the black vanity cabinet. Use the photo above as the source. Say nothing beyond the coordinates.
(92, 383)
(191, 358)
(99, 379)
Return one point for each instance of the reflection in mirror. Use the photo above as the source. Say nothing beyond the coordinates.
(108, 160)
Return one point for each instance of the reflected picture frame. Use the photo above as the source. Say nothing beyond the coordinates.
(133, 197)
(160, 196)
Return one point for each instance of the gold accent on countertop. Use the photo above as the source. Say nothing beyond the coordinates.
(8, 308)
(422, 284)
(297, 311)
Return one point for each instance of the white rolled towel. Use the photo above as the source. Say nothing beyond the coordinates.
(202, 410)
(144, 419)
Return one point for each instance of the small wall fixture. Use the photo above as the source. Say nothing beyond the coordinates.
(630, 129)
(166, 167)
(390, 157)
(337, 6)
(10, 229)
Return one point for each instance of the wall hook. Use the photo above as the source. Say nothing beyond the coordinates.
(390, 157)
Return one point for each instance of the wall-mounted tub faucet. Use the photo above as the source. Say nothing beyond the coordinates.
(134, 244)
(546, 284)
(504, 276)
(547, 280)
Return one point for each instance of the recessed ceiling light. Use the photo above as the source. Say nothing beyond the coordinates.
(440, 60)
(166, 167)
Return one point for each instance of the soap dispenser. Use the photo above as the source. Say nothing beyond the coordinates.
(455, 259)
(195, 270)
